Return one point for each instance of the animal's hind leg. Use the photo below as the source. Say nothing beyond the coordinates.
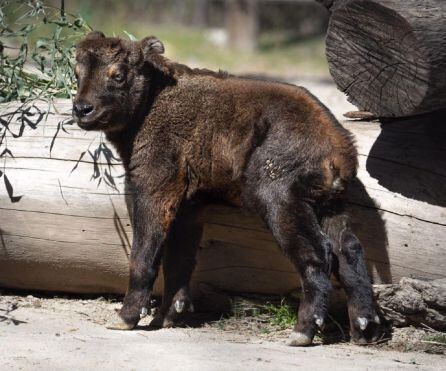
(178, 265)
(298, 233)
(352, 273)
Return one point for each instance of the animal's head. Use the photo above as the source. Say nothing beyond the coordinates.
(113, 77)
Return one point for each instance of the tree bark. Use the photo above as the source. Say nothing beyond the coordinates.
(389, 56)
(414, 302)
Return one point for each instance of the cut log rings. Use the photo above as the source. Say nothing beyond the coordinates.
(389, 56)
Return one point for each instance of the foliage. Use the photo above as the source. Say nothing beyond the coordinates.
(42, 69)
(36, 64)
(437, 337)
(279, 314)
(283, 315)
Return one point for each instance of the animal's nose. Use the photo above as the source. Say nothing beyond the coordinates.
(81, 109)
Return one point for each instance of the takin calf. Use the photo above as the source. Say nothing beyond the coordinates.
(188, 137)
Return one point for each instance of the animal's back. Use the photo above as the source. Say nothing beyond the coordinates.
(296, 132)
(226, 124)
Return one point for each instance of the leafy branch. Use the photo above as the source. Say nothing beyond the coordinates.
(33, 66)
(36, 64)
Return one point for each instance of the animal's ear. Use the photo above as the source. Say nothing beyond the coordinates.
(93, 35)
(151, 45)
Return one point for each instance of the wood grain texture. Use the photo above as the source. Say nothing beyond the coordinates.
(413, 303)
(69, 234)
(389, 56)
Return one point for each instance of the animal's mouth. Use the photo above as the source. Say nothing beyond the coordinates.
(92, 122)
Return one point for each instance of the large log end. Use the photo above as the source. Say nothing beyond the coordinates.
(386, 55)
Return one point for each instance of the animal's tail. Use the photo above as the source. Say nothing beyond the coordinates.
(335, 223)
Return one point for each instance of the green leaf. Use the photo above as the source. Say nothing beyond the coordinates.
(130, 36)
(43, 43)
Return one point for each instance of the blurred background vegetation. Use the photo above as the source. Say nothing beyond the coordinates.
(283, 38)
(279, 38)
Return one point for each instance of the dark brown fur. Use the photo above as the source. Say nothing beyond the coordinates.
(188, 137)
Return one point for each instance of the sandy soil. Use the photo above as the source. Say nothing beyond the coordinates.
(58, 333)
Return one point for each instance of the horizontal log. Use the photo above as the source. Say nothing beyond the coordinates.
(69, 233)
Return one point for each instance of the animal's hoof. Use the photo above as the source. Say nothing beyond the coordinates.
(157, 321)
(358, 340)
(168, 322)
(120, 325)
(365, 330)
(117, 323)
(299, 339)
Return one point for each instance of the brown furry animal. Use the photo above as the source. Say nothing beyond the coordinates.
(188, 137)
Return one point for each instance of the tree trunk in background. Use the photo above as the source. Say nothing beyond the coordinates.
(200, 17)
(180, 11)
(242, 24)
(389, 56)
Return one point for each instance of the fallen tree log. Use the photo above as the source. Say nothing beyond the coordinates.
(70, 231)
(389, 56)
(414, 302)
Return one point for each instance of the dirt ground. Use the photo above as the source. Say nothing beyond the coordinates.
(61, 333)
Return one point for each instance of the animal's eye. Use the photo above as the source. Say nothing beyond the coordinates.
(118, 77)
